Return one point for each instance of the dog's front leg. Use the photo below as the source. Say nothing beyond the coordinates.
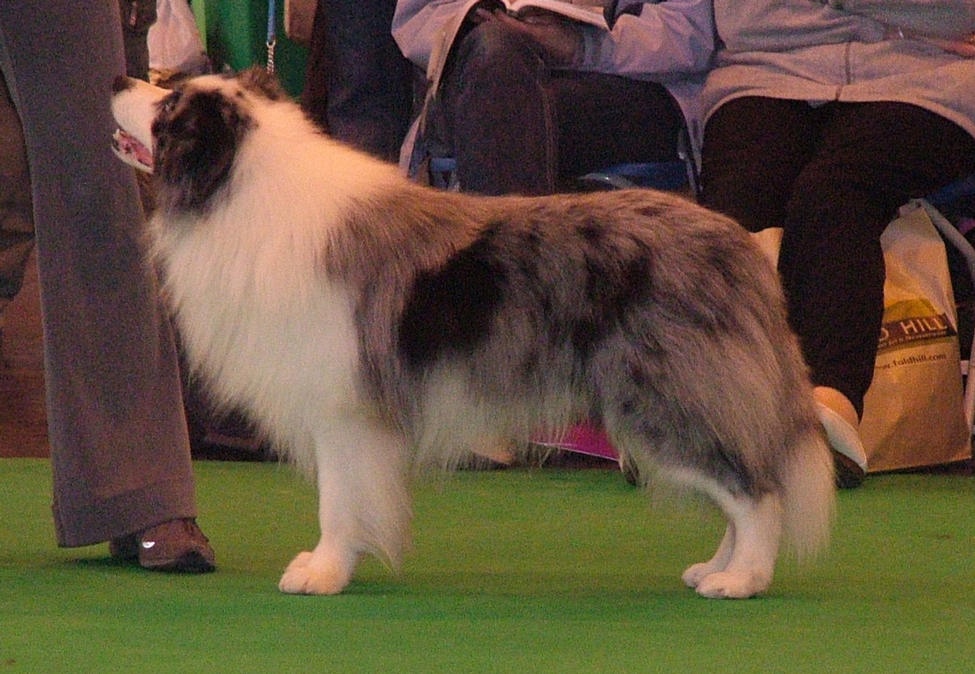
(317, 572)
(329, 567)
(364, 505)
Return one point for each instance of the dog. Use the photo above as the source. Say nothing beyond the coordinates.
(371, 325)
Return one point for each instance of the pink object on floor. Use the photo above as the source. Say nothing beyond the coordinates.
(584, 439)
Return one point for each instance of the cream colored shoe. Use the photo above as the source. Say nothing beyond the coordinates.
(840, 422)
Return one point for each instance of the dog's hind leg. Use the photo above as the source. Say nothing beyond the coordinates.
(695, 573)
(364, 506)
(745, 560)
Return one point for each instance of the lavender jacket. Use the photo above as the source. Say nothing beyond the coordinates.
(845, 50)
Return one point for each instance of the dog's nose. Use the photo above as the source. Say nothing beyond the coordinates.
(121, 83)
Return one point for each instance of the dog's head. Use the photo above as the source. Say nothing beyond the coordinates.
(188, 136)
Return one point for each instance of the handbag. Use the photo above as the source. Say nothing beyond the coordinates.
(914, 412)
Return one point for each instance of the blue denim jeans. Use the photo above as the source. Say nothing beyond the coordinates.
(358, 85)
(516, 126)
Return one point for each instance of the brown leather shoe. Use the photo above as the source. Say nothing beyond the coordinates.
(177, 545)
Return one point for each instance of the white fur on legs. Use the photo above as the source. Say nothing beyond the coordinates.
(756, 529)
(695, 573)
(744, 562)
(317, 572)
(364, 506)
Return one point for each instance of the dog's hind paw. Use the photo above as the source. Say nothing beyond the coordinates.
(694, 574)
(731, 585)
(306, 575)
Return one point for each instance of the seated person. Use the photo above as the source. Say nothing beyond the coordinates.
(527, 104)
(357, 83)
(822, 118)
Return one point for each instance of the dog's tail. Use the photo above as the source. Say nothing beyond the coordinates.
(809, 496)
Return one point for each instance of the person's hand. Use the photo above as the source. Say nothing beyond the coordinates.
(559, 40)
(963, 45)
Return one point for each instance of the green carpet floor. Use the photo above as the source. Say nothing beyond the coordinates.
(512, 571)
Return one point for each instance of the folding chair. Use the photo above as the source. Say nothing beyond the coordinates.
(961, 195)
(679, 173)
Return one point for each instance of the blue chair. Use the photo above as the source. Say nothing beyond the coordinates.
(670, 175)
(677, 174)
(443, 173)
(955, 193)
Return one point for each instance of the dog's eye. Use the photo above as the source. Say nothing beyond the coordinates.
(168, 104)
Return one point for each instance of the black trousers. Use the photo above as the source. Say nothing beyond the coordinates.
(832, 177)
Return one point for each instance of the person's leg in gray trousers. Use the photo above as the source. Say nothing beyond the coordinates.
(119, 448)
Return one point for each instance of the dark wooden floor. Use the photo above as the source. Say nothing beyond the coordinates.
(23, 424)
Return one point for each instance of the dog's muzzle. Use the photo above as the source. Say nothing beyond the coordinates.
(126, 146)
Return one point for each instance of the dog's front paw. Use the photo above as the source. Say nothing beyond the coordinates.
(308, 575)
(731, 585)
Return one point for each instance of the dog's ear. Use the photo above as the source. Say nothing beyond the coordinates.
(196, 142)
(260, 81)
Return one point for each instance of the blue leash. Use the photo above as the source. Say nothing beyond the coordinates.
(271, 36)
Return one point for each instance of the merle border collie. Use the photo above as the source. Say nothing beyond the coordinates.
(371, 325)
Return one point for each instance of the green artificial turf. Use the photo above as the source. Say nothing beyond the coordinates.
(512, 571)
